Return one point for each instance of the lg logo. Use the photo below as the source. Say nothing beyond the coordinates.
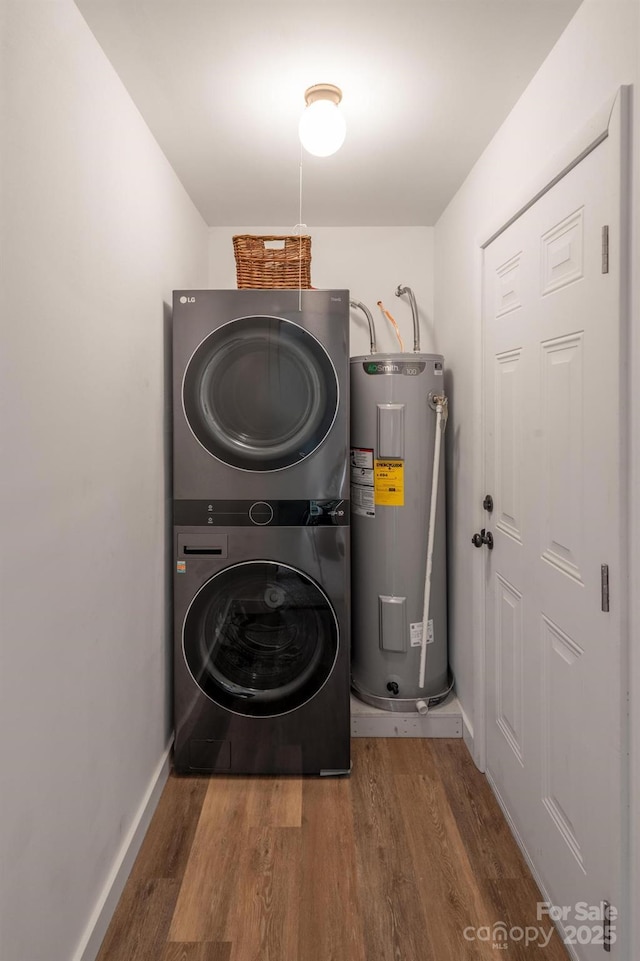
(187, 300)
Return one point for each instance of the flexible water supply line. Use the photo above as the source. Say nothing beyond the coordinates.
(441, 402)
(392, 321)
(369, 316)
(414, 315)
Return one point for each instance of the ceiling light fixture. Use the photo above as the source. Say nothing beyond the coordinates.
(322, 128)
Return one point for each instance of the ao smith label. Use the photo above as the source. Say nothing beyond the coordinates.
(389, 483)
(406, 367)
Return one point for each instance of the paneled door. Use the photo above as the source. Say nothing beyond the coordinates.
(552, 378)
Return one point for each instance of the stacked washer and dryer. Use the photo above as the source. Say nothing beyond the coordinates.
(261, 531)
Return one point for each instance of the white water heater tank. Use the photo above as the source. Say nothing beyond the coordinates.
(393, 425)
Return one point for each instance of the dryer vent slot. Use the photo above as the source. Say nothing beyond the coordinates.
(202, 550)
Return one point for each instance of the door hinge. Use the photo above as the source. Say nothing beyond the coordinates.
(604, 588)
(606, 926)
(605, 250)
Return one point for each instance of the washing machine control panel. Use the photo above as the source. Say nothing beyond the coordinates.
(275, 513)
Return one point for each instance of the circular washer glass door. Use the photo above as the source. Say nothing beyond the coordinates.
(260, 393)
(260, 638)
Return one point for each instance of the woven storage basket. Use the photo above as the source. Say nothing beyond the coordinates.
(273, 261)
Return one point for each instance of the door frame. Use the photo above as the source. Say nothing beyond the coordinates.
(612, 119)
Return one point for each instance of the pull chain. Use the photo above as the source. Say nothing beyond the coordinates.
(300, 235)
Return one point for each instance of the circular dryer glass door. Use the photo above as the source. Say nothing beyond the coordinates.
(260, 393)
(260, 638)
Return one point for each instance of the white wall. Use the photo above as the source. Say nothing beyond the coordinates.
(95, 231)
(369, 261)
(597, 53)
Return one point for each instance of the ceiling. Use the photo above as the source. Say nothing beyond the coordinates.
(425, 86)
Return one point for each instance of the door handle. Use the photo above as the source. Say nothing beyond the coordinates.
(484, 537)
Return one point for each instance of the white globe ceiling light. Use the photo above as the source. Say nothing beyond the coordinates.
(322, 128)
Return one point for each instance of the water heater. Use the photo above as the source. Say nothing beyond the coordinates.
(393, 440)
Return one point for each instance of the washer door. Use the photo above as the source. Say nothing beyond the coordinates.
(260, 638)
(260, 393)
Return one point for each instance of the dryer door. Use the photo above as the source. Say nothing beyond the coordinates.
(260, 638)
(260, 393)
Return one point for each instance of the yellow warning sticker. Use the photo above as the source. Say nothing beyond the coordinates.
(389, 483)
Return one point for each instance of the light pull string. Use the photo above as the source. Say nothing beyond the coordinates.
(300, 236)
(299, 227)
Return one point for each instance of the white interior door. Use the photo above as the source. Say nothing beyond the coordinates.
(552, 465)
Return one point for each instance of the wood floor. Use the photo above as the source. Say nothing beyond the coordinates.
(409, 859)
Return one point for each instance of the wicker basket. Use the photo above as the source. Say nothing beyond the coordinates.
(273, 261)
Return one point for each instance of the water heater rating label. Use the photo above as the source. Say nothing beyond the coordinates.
(362, 475)
(362, 500)
(362, 457)
(389, 483)
(416, 633)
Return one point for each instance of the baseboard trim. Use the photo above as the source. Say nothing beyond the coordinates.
(467, 733)
(106, 904)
